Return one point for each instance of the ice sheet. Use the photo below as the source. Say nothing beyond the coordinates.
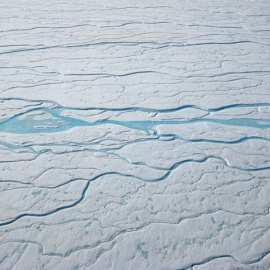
(134, 134)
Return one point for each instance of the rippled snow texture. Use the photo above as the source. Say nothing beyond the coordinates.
(134, 134)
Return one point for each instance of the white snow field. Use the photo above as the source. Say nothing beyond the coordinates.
(134, 134)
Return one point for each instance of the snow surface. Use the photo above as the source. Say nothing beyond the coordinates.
(134, 134)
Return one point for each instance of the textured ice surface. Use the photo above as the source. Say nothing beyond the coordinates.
(134, 134)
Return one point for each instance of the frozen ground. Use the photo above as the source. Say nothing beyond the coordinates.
(134, 134)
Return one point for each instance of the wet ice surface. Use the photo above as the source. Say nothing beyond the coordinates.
(135, 135)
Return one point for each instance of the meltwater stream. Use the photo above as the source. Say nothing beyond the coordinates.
(48, 120)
